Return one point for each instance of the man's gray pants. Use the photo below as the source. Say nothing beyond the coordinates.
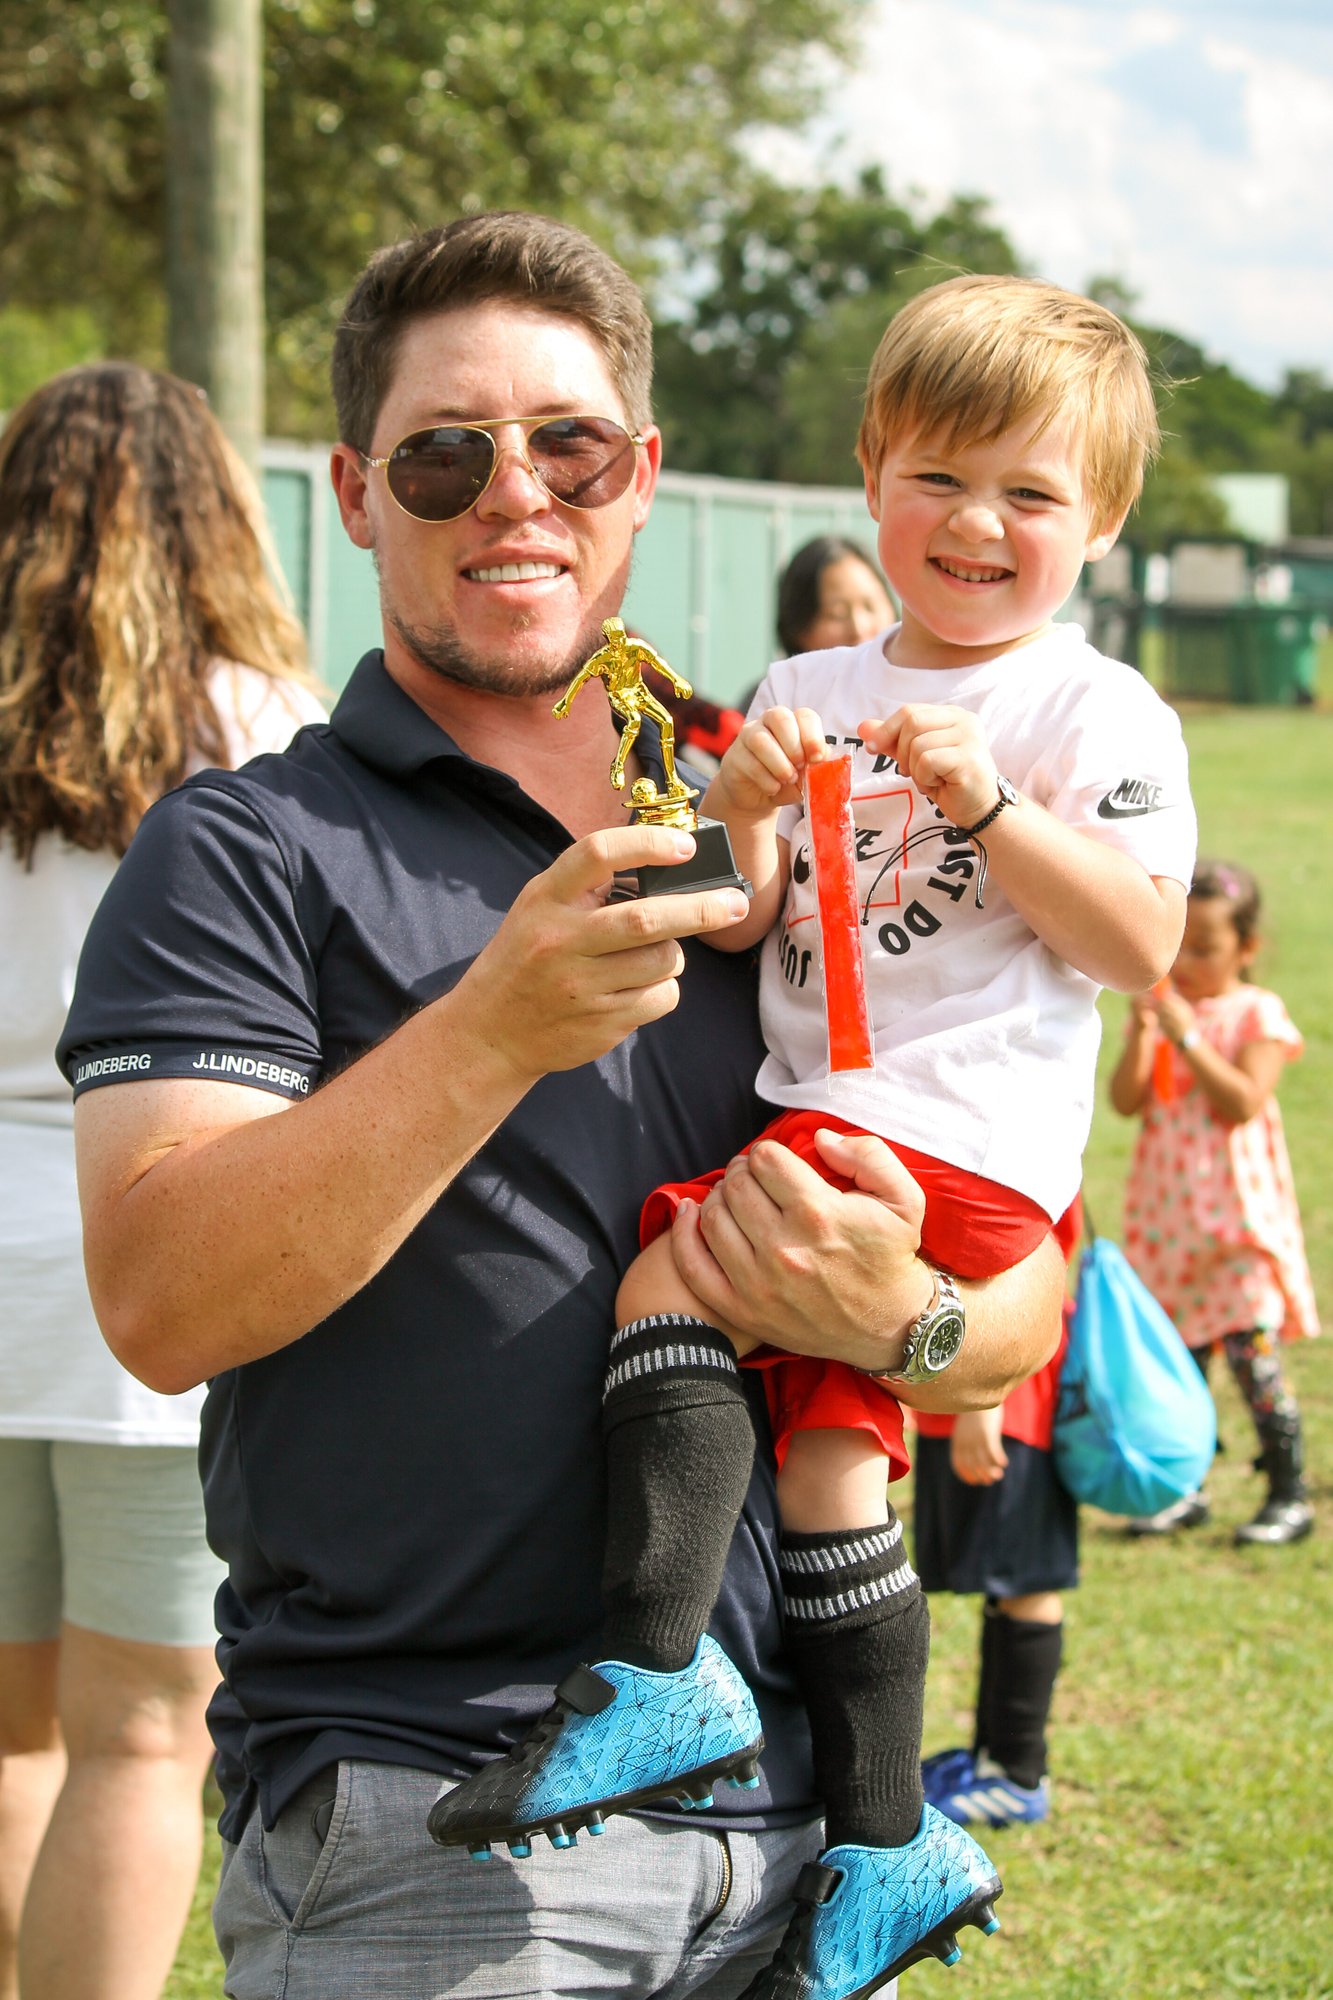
(375, 1911)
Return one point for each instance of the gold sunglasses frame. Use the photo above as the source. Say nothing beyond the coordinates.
(489, 425)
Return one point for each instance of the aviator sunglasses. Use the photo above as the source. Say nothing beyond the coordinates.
(439, 473)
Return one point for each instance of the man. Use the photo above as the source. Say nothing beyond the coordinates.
(393, 1072)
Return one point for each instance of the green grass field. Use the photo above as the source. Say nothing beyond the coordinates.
(1191, 1846)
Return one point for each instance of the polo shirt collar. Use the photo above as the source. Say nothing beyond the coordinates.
(383, 726)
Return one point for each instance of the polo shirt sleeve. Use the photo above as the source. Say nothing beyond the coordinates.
(196, 963)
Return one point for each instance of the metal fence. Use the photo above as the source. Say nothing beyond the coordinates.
(702, 590)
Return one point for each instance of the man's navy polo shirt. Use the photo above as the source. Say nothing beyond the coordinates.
(410, 1498)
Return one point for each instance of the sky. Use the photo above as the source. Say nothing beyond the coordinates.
(1185, 147)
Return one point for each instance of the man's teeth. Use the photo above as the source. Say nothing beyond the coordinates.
(521, 572)
(970, 575)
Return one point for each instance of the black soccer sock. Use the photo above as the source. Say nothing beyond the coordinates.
(990, 1648)
(858, 1636)
(679, 1451)
(1027, 1662)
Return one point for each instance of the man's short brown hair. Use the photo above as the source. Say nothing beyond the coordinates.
(974, 356)
(528, 260)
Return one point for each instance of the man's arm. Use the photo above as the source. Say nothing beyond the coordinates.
(216, 1232)
(786, 1257)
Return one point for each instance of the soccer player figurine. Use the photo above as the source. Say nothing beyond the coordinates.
(620, 663)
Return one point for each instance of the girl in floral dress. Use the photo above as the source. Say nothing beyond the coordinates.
(1211, 1222)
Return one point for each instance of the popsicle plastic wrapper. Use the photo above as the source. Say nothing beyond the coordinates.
(828, 805)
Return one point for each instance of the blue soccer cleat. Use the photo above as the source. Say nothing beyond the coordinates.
(617, 1737)
(984, 1795)
(864, 1914)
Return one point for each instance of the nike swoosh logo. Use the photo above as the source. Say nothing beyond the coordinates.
(1108, 809)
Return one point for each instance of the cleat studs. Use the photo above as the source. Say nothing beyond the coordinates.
(481, 1852)
(745, 1776)
(947, 1952)
(702, 1801)
(520, 1849)
(597, 1824)
(558, 1837)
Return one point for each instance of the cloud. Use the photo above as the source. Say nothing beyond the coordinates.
(1186, 148)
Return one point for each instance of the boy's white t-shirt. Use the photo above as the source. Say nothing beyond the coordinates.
(58, 1378)
(985, 1041)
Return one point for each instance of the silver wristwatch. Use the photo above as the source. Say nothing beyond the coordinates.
(933, 1340)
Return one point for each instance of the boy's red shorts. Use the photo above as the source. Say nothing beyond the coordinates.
(973, 1227)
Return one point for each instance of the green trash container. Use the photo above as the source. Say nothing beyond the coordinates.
(1273, 652)
(1197, 651)
(1248, 652)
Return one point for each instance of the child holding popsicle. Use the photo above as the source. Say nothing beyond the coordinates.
(1006, 429)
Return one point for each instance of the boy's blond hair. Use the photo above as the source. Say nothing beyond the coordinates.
(976, 355)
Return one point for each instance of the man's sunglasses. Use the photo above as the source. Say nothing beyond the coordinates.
(437, 474)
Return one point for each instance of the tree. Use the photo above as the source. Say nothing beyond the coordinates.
(382, 116)
(215, 195)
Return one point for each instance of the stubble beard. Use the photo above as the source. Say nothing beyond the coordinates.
(442, 650)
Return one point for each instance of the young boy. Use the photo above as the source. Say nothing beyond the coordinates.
(1006, 429)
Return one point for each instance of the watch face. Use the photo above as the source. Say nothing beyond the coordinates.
(942, 1342)
(1007, 792)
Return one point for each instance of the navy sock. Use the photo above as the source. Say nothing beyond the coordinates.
(1026, 1663)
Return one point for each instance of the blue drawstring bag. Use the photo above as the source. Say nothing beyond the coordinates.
(1135, 1426)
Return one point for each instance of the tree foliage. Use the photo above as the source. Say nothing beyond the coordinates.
(381, 116)
(628, 116)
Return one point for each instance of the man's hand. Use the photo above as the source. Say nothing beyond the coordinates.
(782, 1256)
(976, 1450)
(943, 750)
(785, 1257)
(569, 974)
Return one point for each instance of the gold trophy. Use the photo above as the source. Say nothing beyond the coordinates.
(621, 663)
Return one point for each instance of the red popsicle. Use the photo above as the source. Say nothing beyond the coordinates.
(828, 804)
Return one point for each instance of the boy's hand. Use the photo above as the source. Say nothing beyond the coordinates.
(976, 1451)
(762, 769)
(944, 752)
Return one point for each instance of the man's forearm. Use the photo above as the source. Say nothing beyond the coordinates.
(1013, 1328)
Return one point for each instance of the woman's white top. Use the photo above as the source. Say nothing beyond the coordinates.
(58, 1379)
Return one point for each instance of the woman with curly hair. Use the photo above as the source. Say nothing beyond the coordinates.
(141, 639)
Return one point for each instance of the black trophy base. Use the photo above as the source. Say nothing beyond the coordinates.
(711, 866)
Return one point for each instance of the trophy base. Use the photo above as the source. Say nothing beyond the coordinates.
(711, 866)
